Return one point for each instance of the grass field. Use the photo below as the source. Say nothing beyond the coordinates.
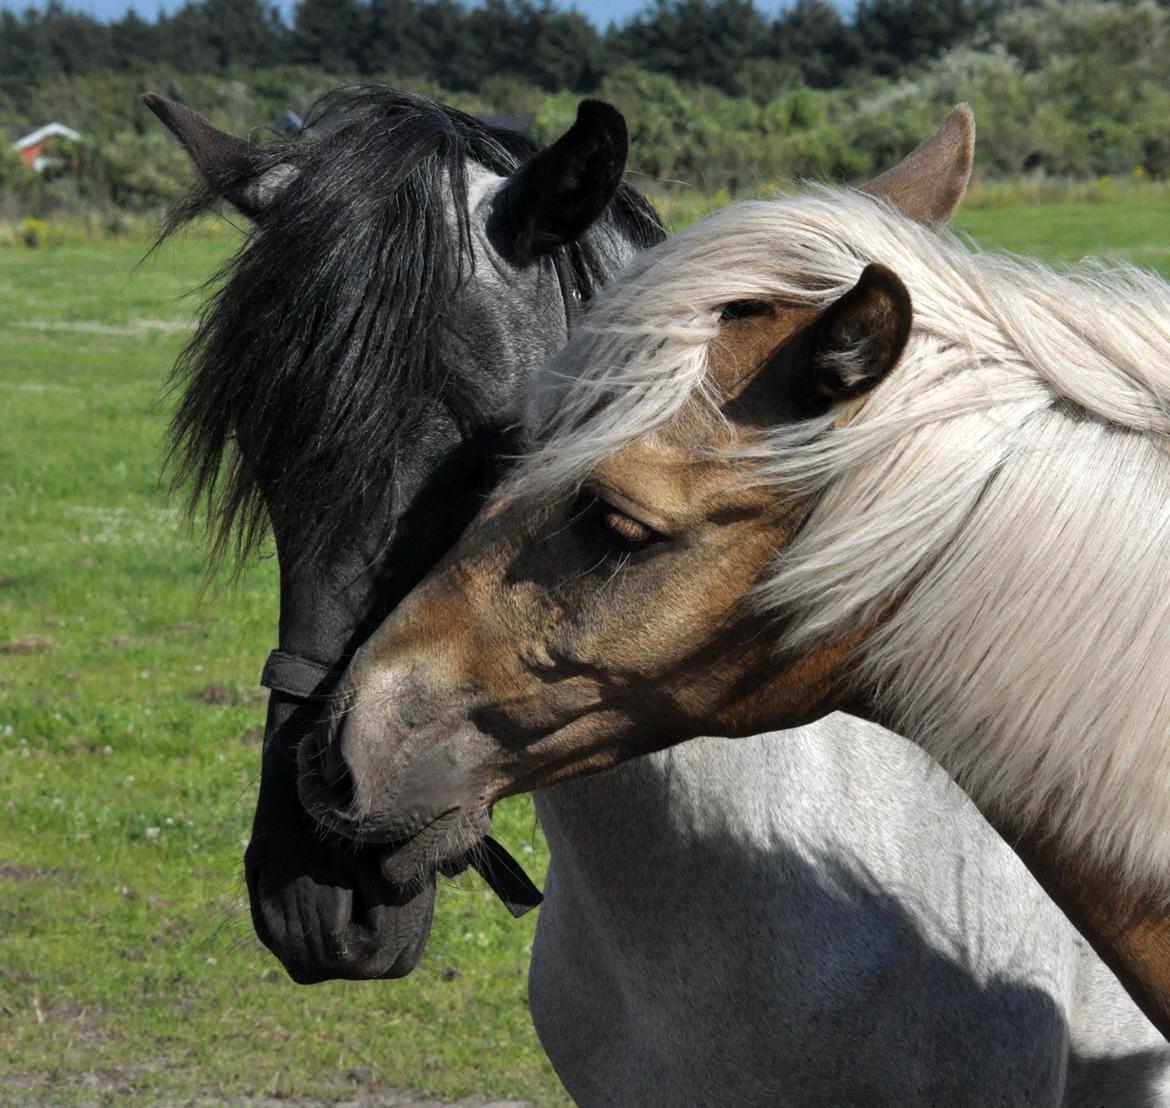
(129, 720)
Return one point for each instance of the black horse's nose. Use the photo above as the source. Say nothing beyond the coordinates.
(328, 914)
(335, 776)
(325, 783)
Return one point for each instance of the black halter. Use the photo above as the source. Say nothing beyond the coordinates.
(309, 681)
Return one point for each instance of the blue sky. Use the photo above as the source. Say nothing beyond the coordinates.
(600, 11)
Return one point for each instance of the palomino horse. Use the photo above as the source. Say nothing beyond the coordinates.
(814, 454)
(809, 883)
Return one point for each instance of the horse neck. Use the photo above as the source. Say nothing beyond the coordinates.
(680, 826)
(626, 845)
(1029, 655)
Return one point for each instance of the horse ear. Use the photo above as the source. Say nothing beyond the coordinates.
(851, 346)
(929, 182)
(557, 195)
(228, 164)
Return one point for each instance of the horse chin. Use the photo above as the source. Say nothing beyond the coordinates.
(443, 844)
(360, 926)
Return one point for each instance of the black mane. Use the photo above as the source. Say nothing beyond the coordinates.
(320, 342)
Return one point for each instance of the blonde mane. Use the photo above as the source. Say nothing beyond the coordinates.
(1005, 493)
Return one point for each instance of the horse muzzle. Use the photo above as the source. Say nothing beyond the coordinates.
(322, 905)
(338, 917)
(396, 778)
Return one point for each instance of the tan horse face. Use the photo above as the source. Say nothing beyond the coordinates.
(560, 641)
(557, 641)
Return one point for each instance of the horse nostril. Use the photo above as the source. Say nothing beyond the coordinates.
(334, 771)
(326, 784)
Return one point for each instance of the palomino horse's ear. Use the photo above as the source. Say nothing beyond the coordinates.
(854, 342)
(929, 182)
(228, 164)
(557, 195)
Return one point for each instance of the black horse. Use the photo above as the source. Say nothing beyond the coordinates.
(352, 385)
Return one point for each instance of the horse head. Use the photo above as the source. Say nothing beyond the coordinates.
(352, 384)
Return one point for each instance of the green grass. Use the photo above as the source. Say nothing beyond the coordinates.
(128, 756)
(1136, 231)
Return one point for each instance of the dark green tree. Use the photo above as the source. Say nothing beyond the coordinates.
(70, 42)
(134, 42)
(332, 34)
(20, 58)
(893, 33)
(708, 41)
(815, 40)
(211, 36)
(568, 53)
(444, 35)
(396, 40)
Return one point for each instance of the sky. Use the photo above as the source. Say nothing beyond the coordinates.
(600, 11)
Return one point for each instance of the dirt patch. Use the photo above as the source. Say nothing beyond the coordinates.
(96, 327)
(28, 644)
(216, 694)
(19, 872)
(103, 1085)
(108, 1082)
(17, 977)
(390, 1098)
(77, 1027)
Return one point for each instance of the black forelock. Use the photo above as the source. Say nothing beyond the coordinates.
(320, 343)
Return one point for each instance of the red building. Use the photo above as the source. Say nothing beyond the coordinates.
(33, 147)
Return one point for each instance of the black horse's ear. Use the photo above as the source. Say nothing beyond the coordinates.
(557, 195)
(852, 345)
(229, 165)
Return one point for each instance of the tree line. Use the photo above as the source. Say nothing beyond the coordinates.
(729, 45)
(1062, 89)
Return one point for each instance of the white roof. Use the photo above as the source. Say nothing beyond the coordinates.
(49, 130)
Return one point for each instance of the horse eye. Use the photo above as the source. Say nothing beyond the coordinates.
(614, 526)
(631, 531)
(743, 309)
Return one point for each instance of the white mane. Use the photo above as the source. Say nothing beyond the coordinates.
(1005, 492)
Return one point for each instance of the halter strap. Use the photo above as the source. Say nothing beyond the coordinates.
(303, 679)
(300, 678)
